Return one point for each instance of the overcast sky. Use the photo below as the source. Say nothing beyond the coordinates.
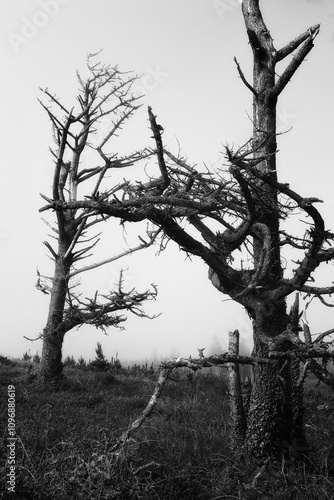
(183, 50)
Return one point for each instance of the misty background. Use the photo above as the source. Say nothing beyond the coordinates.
(183, 53)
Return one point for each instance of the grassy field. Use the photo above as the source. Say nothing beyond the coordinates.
(180, 452)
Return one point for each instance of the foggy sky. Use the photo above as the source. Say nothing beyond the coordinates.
(184, 52)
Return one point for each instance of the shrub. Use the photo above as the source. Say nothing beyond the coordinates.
(36, 359)
(116, 364)
(70, 362)
(81, 363)
(99, 363)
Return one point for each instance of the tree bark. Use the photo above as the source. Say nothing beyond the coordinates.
(53, 333)
(267, 422)
(237, 412)
(275, 418)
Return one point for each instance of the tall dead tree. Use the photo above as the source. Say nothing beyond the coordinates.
(239, 214)
(81, 164)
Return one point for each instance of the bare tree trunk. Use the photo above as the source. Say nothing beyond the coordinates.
(296, 376)
(275, 413)
(275, 423)
(51, 365)
(275, 417)
(298, 438)
(53, 333)
(267, 427)
(236, 402)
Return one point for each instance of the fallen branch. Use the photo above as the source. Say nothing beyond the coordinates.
(223, 359)
(125, 437)
(206, 362)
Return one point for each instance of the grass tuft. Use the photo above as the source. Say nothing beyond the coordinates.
(65, 439)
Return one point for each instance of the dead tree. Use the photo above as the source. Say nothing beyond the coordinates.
(105, 94)
(234, 220)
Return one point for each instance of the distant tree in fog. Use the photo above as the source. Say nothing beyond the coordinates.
(81, 165)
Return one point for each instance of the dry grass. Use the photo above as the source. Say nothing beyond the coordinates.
(181, 451)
